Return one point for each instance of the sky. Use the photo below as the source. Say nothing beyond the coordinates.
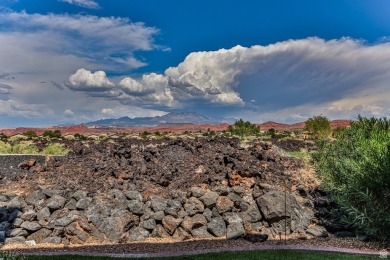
(76, 61)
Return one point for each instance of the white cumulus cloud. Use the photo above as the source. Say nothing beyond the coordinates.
(68, 113)
(85, 80)
(150, 89)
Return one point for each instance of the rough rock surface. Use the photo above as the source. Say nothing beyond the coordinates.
(130, 190)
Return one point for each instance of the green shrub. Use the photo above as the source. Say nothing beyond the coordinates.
(3, 137)
(355, 169)
(55, 149)
(5, 148)
(17, 138)
(144, 134)
(52, 134)
(242, 128)
(24, 147)
(337, 131)
(31, 134)
(271, 132)
(78, 136)
(318, 126)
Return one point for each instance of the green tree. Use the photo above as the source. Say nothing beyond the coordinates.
(318, 126)
(57, 133)
(271, 132)
(3, 137)
(31, 134)
(52, 134)
(243, 128)
(355, 169)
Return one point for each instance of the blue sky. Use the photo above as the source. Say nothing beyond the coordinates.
(72, 61)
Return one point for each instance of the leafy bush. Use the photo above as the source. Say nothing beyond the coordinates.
(78, 136)
(23, 147)
(318, 126)
(31, 134)
(52, 134)
(55, 149)
(242, 128)
(355, 169)
(144, 134)
(17, 138)
(3, 137)
(5, 148)
(271, 132)
(337, 131)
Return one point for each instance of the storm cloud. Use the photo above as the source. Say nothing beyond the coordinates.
(333, 75)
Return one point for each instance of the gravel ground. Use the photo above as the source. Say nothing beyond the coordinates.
(161, 248)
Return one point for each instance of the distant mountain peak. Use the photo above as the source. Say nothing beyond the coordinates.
(170, 118)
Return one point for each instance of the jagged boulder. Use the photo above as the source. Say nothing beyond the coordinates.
(275, 205)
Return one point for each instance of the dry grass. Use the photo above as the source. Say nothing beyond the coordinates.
(307, 176)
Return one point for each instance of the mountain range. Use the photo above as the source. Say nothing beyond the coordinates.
(170, 118)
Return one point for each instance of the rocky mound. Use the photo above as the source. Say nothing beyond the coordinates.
(166, 164)
(131, 190)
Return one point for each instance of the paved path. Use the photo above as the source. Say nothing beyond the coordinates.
(205, 251)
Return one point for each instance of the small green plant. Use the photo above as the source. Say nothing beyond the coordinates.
(144, 134)
(55, 149)
(31, 134)
(78, 136)
(318, 126)
(159, 135)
